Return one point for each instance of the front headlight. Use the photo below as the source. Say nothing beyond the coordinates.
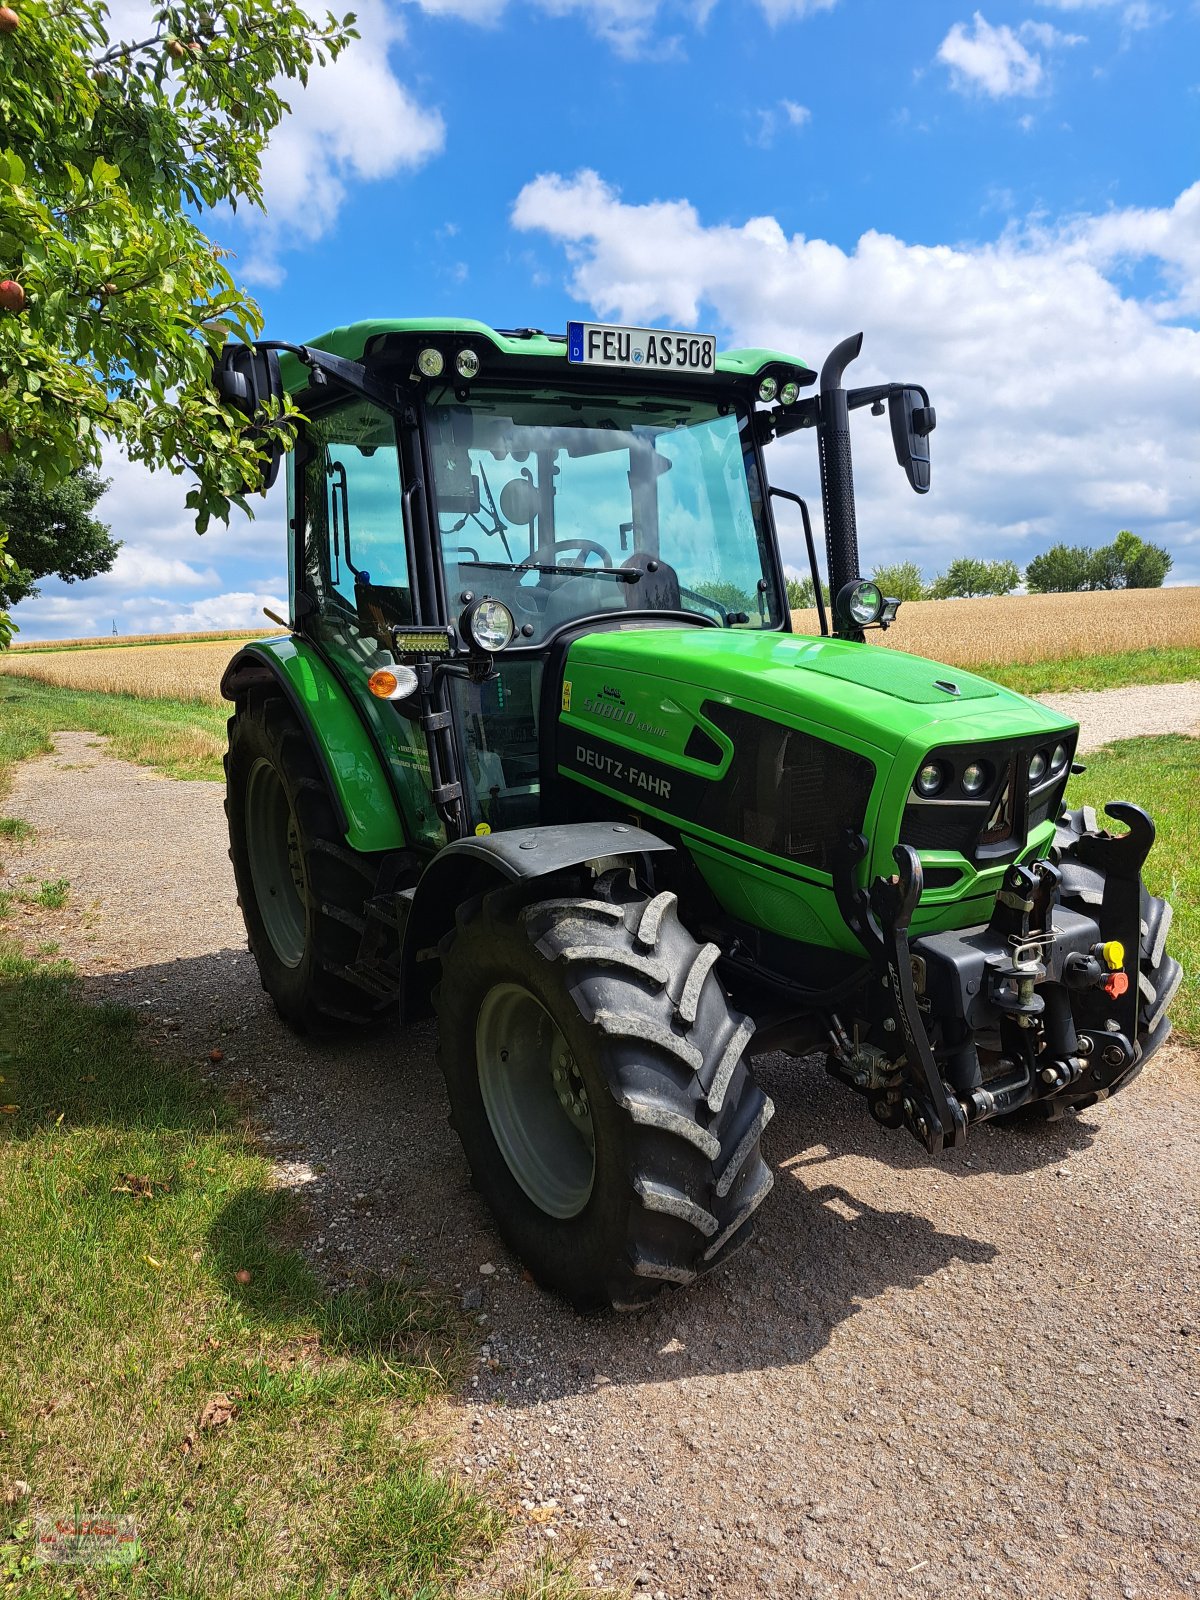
(487, 624)
(930, 779)
(860, 602)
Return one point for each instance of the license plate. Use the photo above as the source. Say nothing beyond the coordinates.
(603, 344)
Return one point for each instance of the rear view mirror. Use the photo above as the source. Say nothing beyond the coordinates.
(249, 380)
(913, 419)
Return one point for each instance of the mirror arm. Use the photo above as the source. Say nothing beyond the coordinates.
(881, 391)
(351, 374)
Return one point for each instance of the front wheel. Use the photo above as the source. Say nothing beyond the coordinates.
(597, 1080)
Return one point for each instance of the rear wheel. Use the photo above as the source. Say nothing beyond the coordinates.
(301, 888)
(596, 1078)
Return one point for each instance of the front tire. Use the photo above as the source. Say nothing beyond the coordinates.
(596, 1079)
(301, 888)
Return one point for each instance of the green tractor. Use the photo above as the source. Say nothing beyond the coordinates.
(542, 754)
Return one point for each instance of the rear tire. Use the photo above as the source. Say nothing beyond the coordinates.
(301, 888)
(639, 1167)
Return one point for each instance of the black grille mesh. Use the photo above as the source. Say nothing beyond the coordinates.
(786, 793)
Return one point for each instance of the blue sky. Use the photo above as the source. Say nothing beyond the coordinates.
(1005, 200)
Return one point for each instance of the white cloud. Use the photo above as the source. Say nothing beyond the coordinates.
(1066, 402)
(354, 123)
(767, 121)
(627, 26)
(164, 574)
(990, 60)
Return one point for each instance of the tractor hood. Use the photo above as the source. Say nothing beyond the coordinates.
(764, 749)
(650, 683)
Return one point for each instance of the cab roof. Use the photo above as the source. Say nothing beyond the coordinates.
(358, 341)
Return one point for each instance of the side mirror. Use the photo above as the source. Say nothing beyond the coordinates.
(249, 380)
(913, 419)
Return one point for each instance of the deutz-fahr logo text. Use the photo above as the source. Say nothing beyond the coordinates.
(622, 772)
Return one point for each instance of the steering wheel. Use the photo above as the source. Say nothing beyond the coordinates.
(586, 547)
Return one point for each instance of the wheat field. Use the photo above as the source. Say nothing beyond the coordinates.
(962, 633)
(190, 671)
(1038, 627)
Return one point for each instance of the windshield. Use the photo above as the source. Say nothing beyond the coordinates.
(564, 506)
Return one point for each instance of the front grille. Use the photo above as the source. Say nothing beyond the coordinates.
(786, 792)
(994, 828)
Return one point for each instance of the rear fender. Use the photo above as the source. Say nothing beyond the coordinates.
(472, 866)
(358, 783)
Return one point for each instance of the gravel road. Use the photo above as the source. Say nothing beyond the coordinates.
(1105, 714)
(971, 1375)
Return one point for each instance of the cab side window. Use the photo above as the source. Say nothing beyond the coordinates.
(356, 567)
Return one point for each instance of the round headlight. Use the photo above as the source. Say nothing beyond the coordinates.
(789, 394)
(1037, 766)
(930, 779)
(1059, 757)
(974, 777)
(862, 602)
(431, 362)
(767, 390)
(466, 363)
(488, 624)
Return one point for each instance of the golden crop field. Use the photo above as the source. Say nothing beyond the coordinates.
(1038, 627)
(189, 671)
(109, 642)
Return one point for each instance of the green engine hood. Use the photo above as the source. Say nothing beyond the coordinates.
(692, 727)
(881, 697)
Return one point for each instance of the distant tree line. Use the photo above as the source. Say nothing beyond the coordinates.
(1127, 563)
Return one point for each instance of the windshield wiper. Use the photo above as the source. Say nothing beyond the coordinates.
(617, 574)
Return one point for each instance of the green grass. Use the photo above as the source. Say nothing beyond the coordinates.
(1162, 774)
(14, 828)
(53, 894)
(185, 740)
(131, 1198)
(1096, 672)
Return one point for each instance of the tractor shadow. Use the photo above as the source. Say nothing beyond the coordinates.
(358, 1131)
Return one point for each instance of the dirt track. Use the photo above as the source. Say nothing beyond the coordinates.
(970, 1376)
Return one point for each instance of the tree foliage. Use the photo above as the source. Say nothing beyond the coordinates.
(1127, 563)
(901, 580)
(1060, 570)
(110, 150)
(801, 595)
(969, 576)
(51, 530)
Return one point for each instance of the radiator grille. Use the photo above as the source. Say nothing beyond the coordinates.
(786, 793)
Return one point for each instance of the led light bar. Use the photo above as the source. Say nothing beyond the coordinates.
(415, 644)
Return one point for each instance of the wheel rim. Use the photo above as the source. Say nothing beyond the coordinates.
(536, 1100)
(276, 862)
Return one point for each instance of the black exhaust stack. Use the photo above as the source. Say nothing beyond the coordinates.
(837, 474)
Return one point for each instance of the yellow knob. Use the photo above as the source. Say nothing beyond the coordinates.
(1113, 952)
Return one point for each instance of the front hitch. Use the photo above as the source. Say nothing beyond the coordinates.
(880, 921)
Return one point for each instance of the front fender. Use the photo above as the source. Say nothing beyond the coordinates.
(353, 770)
(472, 866)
